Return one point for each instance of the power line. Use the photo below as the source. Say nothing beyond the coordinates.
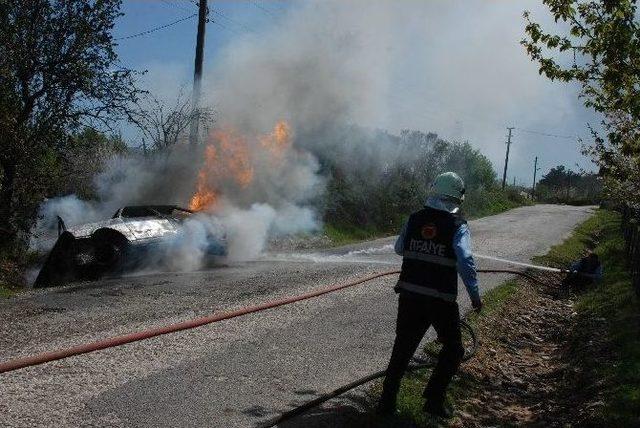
(529, 131)
(239, 24)
(264, 9)
(144, 33)
(225, 27)
(168, 3)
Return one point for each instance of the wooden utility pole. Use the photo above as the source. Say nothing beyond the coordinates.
(506, 159)
(197, 74)
(535, 171)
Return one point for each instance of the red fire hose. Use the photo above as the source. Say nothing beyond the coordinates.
(111, 342)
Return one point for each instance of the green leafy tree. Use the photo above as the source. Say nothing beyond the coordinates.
(561, 184)
(86, 155)
(600, 51)
(58, 73)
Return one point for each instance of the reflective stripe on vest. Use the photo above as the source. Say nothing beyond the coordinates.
(439, 260)
(426, 291)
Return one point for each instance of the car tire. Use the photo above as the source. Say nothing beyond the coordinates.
(110, 249)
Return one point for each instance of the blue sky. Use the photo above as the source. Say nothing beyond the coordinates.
(455, 68)
(176, 44)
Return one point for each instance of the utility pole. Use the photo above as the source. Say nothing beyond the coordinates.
(535, 171)
(197, 74)
(514, 181)
(506, 159)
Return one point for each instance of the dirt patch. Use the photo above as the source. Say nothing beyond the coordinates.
(528, 370)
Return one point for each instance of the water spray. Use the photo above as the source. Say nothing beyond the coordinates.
(515, 263)
(359, 256)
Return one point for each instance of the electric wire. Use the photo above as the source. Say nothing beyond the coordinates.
(225, 27)
(546, 134)
(168, 3)
(225, 17)
(267, 11)
(161, 27)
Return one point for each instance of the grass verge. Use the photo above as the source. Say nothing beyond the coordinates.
(343, 235)
(6, 292)
(612, 304)
(613, 301)
(482, 204)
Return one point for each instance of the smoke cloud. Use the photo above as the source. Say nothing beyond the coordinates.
(336, 72)
(454, 68)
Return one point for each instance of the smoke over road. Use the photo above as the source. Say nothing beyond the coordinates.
(310, 91)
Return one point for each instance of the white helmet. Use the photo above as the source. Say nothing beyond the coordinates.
(449, 185)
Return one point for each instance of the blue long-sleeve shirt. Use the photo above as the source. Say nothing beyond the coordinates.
(596, 276)
(461, 246)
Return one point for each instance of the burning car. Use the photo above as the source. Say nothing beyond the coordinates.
(88, 251)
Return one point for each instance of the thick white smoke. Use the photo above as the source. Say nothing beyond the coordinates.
(274, 204)
(71, 209)
(455, 68)
(326, 68)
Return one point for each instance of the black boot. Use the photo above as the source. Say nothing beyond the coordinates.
(436, 408)
(386, 407)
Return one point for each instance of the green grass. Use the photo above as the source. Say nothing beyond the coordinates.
(493, 300)
(613, 300)
(5, 293)
(343, 235)
(481, 204)
(493, 201)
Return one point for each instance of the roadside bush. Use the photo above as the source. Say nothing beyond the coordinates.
(376, 199)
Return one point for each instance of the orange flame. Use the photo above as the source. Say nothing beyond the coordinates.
(227, 158)
(279, 141)
(204, 196)
(235, 152)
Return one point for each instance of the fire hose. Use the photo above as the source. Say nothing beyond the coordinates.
(111, 342)
(45, 357)
(419, 364)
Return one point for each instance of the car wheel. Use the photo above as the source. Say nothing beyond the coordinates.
(109, 250)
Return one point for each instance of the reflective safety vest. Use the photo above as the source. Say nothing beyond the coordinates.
(428, 258)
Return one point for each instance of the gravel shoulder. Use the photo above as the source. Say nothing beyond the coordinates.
(236, 373)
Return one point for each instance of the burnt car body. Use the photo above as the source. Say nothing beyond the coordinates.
(88, 251)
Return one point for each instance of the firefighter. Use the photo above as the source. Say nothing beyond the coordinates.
(435, 246)
(584, 272)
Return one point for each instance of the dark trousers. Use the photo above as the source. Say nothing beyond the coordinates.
(577, 282)
(416, 313)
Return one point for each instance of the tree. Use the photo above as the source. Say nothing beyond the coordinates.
(561, 184)
(164, 125)
(58, 72)
(603, 48)
(88, 152)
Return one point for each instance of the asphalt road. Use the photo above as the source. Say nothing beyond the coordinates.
(235, 373)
